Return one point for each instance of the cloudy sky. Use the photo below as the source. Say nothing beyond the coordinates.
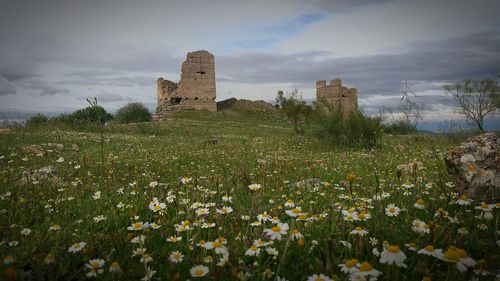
(56, 53)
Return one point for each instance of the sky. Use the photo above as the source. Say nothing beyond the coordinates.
(56, 53)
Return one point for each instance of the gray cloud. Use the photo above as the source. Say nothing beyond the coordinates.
(123, 80)
(444, 61)
(6, 87)
(36, 86)
(110, 97)
(342, 6)
(41, 87)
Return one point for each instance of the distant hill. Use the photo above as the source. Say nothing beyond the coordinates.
(234, 104)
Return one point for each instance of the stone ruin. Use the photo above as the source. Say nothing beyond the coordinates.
(195, 90)
(335, 95)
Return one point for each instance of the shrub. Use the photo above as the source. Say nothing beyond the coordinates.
(353, 130)
(37, 120)
(399, 127)
(90, 114)
(133, 113)
(405, 120)
(295, 109)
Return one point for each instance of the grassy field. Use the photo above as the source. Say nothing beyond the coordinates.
(215, 196)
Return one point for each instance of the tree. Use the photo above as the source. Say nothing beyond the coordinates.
(476, 98)
(133, 112)
(295, 109)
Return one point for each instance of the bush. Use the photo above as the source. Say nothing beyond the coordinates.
(133, 113)
(354, 130)
(295, 109)
(90, 114)
(37, 120)
(405, 120)
(399, 127)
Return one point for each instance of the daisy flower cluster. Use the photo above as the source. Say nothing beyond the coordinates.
(165, 207)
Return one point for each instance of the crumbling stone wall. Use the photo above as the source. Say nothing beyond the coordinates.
(335, 94)
(195, 90)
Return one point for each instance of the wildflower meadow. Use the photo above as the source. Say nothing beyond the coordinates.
(157, 201)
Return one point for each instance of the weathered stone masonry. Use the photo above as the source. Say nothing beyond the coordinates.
(337, 95)
(195, 90)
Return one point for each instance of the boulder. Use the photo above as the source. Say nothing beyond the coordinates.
(475, 167)
(312, 182)
(46, 174)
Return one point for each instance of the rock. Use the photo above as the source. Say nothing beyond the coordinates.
(312, 182)
(75, 147)
(411, 167)
(47, 174)
(475, 167)
(400, 147)
(59, 146)
(32, 149)
(211, 142)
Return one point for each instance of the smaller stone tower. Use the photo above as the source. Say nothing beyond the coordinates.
(335, 94)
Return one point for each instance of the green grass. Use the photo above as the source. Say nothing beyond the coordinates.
(148, 160)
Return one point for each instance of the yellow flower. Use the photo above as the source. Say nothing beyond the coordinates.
(50, 258)
(420, 204)
(301, 242)
(350, 177)
(115, 267)
(458, 256)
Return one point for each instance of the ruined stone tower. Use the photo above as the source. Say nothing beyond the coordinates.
(195, 90)
(335, 94)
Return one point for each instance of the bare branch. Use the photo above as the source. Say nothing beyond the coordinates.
(476, 99)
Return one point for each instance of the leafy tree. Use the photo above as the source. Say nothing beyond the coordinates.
(477, 99)
(296, 110)
(133, 112)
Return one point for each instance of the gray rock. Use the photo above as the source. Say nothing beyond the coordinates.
(475, 167)
(312, 182)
